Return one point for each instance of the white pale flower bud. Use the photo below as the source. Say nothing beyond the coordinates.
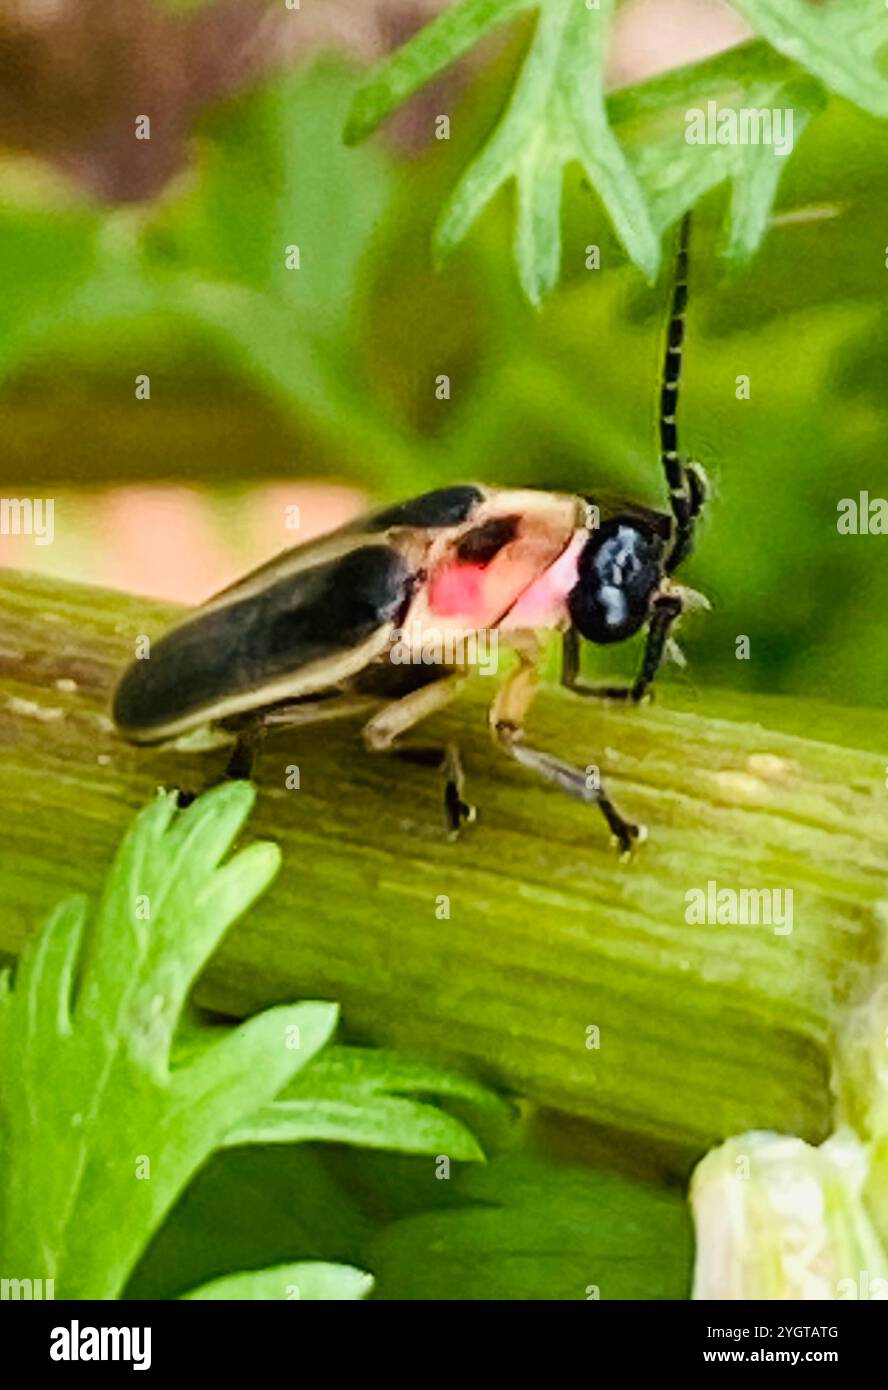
(777, 1218)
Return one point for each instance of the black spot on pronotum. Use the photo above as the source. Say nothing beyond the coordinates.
(481, 545)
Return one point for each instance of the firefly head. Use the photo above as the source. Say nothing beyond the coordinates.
(620, 568)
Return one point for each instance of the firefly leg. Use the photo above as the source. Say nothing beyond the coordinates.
(507, 715)
(382, 731)
(243, 755)
(251, 735)
(301, 712)
(666, 610)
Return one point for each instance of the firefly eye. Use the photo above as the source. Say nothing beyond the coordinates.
(619, 568)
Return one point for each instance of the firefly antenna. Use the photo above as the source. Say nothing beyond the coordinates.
(672, 365)
(686, 482)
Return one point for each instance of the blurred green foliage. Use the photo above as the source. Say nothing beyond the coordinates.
(330, 370)
(520, 1227)
(557, 116)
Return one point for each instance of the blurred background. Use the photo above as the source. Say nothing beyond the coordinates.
(274, 389)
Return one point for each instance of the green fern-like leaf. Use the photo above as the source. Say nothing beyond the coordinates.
(100, 1127)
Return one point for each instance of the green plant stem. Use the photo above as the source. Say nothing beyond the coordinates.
(703, 1031)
